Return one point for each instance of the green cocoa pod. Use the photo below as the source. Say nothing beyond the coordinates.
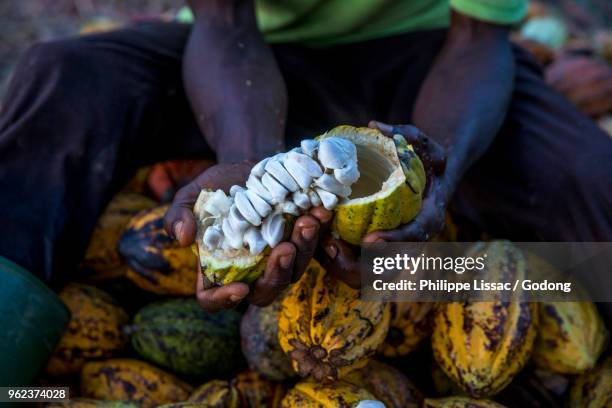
(181, 336)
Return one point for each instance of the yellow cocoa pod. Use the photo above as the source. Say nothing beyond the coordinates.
(102, 261)
(386, 180)
(95, 330)
(387, 384)
(460, 402)
(339, 394)
(410, 324)
(156, 262)
(593, 389)
(571, 337)
(389, 190)
(482, 345)
(216, 394)
(326, 329)
(256, 391)
(132, 380)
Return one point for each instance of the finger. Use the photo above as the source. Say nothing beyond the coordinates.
(304, 236)
(277, 275)
(179, 221)
(221, 297)
(340, 261)
(324, 216)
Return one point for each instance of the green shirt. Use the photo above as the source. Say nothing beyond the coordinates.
(329, 22)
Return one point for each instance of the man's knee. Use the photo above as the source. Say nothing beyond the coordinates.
(53, 57)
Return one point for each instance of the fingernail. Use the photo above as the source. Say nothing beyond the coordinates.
(286, 261)
(308, 233)
(178, 229)
(331, 251)
(235, 298)
(377, 240)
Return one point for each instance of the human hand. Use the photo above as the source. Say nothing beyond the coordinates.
(341, 259)
(584, 80)
(286, 263)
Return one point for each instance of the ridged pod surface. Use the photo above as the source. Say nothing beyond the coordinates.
(379, 206)
(387, 384)
(260, 345)
(482, 345)
(94, 331)
(216, 394)
(594, 388)
(132, 380)
(181, 336)
(257, 392)
(411, 322)
(326, 329)
(571, 337)
(102, 260)
(311, 394)
(156, 262)
(460, 402)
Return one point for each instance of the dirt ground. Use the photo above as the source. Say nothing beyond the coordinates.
(23, 22)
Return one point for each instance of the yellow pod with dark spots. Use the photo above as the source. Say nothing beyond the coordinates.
(326, 329)
(95, 330)
(102, 260)
(156, 262)
(387, 384)
(314, 394)
(593, 389)
(216, 394)
(410, 324)
(460, 402)
(133, 381)
(482, 345)
(571, 337)
(255, 391)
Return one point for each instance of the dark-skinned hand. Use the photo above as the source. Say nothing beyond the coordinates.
(286, 263)
(342, 259)
(584, 80)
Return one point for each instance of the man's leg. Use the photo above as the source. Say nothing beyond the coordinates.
(79, 117)
(547, 176)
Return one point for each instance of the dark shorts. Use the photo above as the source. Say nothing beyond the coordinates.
(82, 114)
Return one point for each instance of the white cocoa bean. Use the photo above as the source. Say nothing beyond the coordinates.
(234, 190)
(309, 146)
(336, 152)
(329, 183)
(212, 237)
(259, 168)
(328, 199)
(301, 200)
(315, 200)
(218, 203)
(272, 229)
(254, 183)
(254, 241)
(260, 205)
(276, 169)
(276, 190)
(289, 207)
(300, 175)
(347, 175)
(232, 238)
(311, 167)
(246, 208)
(236, 220)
